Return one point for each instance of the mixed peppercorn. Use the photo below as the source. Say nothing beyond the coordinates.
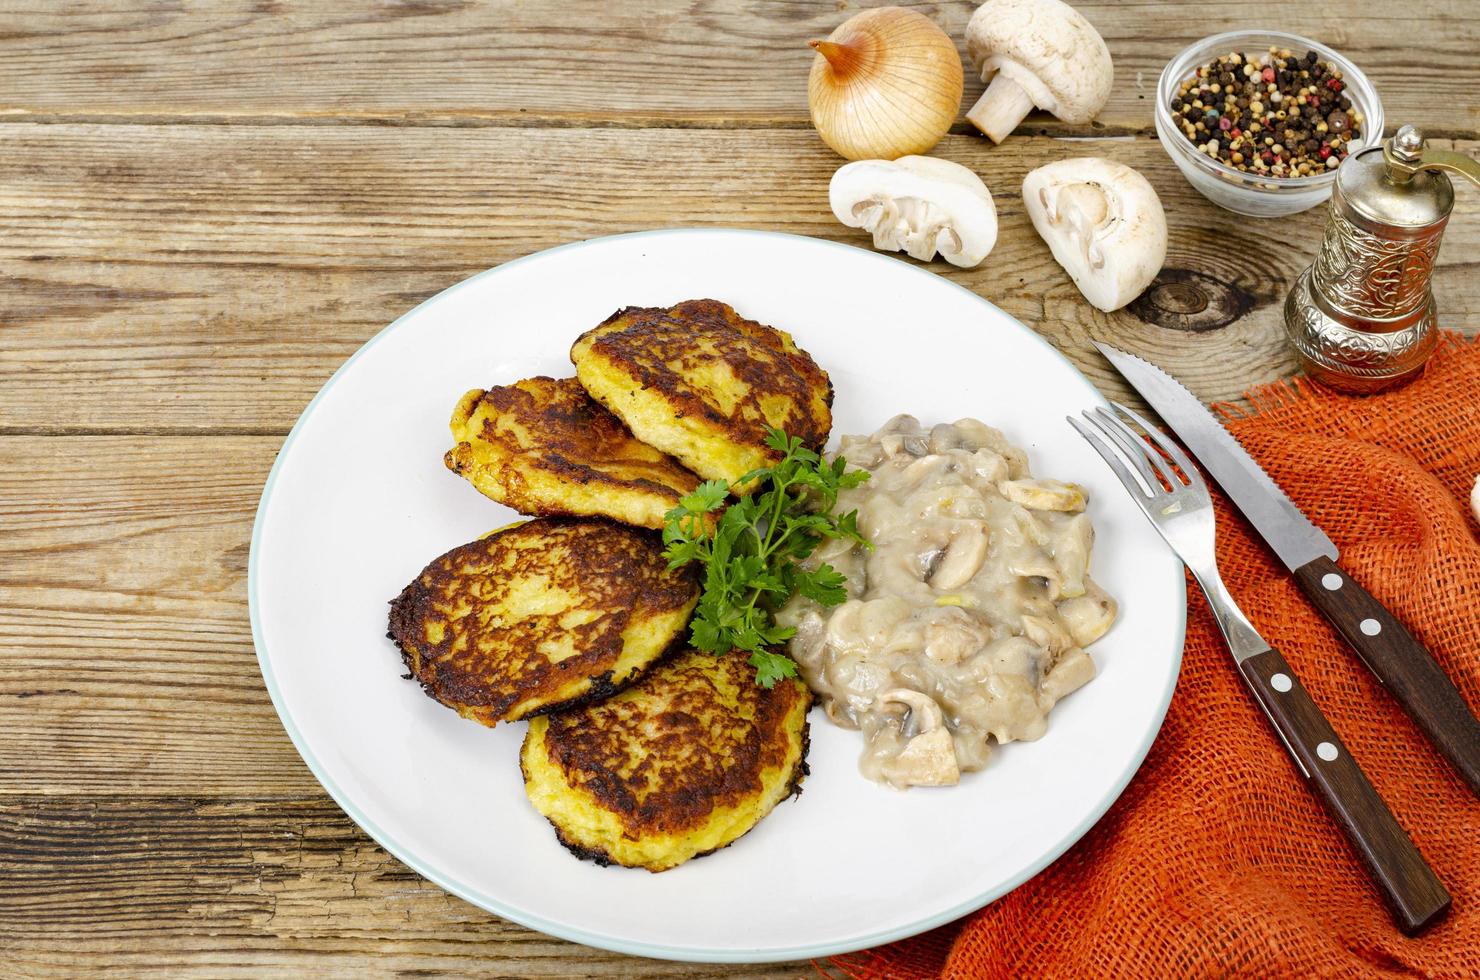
(1274, 115)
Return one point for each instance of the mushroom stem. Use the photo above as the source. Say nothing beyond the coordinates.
(1002, 106)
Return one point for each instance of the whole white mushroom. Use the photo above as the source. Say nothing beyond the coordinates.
(918, 205)
(1036, 53)
(1103, 222)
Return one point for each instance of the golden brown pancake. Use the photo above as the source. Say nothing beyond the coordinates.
(539, 616)
(682, 763)
(701, 383)
(544, 447)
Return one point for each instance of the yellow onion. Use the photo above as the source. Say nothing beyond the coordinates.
(886, 84)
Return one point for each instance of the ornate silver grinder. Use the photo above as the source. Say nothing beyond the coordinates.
(1362, 316)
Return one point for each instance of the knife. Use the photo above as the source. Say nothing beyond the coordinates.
(1394, 655)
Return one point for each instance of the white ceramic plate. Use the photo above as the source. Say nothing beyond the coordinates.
(359, 501)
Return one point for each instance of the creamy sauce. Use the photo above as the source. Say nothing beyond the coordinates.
(968, 620)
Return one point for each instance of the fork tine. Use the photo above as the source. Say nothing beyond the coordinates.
(1154, 459)
(1112, 458)
(1194, 479)
(1132, 445)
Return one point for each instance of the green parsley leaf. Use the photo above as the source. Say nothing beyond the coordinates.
(752, 552)
(771, 667)
(825, 585)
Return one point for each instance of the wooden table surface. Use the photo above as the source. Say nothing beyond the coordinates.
(207, 207)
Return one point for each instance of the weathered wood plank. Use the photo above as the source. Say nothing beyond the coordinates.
(216, 293)
(663, 62)
(126, 659)
(252, 888)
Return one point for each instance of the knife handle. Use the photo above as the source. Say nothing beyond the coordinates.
(1403, 664)
(1415, 896)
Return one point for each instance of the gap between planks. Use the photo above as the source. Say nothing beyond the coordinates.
(82, 431)
(1037, 125)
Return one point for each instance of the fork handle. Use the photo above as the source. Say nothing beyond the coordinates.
(1415, 896)
(1405, 667)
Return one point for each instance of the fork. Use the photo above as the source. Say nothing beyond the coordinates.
(1177, 503)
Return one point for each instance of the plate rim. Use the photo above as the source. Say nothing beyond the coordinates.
(614, 943)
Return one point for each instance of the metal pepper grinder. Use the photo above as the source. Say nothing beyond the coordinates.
(1362, 316)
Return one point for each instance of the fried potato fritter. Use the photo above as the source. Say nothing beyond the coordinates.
(682, 763)
(539, 616)
(544, 447)
(701, 383)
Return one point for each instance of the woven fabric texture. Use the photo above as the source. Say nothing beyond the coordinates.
(1217, 860)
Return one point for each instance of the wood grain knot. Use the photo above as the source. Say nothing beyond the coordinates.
(1180, 299)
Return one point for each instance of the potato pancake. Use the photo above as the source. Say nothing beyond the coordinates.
(682, 763)
(544, 447)
(539, 616)
(701, 383)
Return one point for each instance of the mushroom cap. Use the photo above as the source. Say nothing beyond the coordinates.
(1047, 48)
(918, 204)
(1103, 222)
(926, 714)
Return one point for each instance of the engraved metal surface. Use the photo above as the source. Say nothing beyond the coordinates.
(1355, 360)
(1371, 277)
(1361, 318)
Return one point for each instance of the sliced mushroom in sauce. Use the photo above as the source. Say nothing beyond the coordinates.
(974, 600)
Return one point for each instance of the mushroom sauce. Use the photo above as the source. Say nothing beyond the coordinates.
(969, 616)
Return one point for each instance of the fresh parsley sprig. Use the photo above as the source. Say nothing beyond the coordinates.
(752, 552)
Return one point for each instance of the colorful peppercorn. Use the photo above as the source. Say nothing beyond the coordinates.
(1293, 108)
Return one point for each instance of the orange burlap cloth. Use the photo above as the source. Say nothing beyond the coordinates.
(1217, 861)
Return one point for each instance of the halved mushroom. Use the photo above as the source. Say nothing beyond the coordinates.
(1047, 634)
(1076, 538)
(1103, 222)
(919, 711)
(918, 205)
(1090, 616)
(924, 466)
(1072, 671)
(860, 625)
(989, 466)
(963, 556)
(1036, 53)
(953, 635)
(929, 758)
(1035, 564)
(1044, 494)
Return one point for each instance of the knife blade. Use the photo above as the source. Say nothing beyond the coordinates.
(1403, 665)
(1286, 529)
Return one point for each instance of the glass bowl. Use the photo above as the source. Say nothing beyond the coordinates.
(1237, 190)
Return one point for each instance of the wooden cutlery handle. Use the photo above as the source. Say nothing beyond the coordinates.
(1403, 664)
(1414, 894)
